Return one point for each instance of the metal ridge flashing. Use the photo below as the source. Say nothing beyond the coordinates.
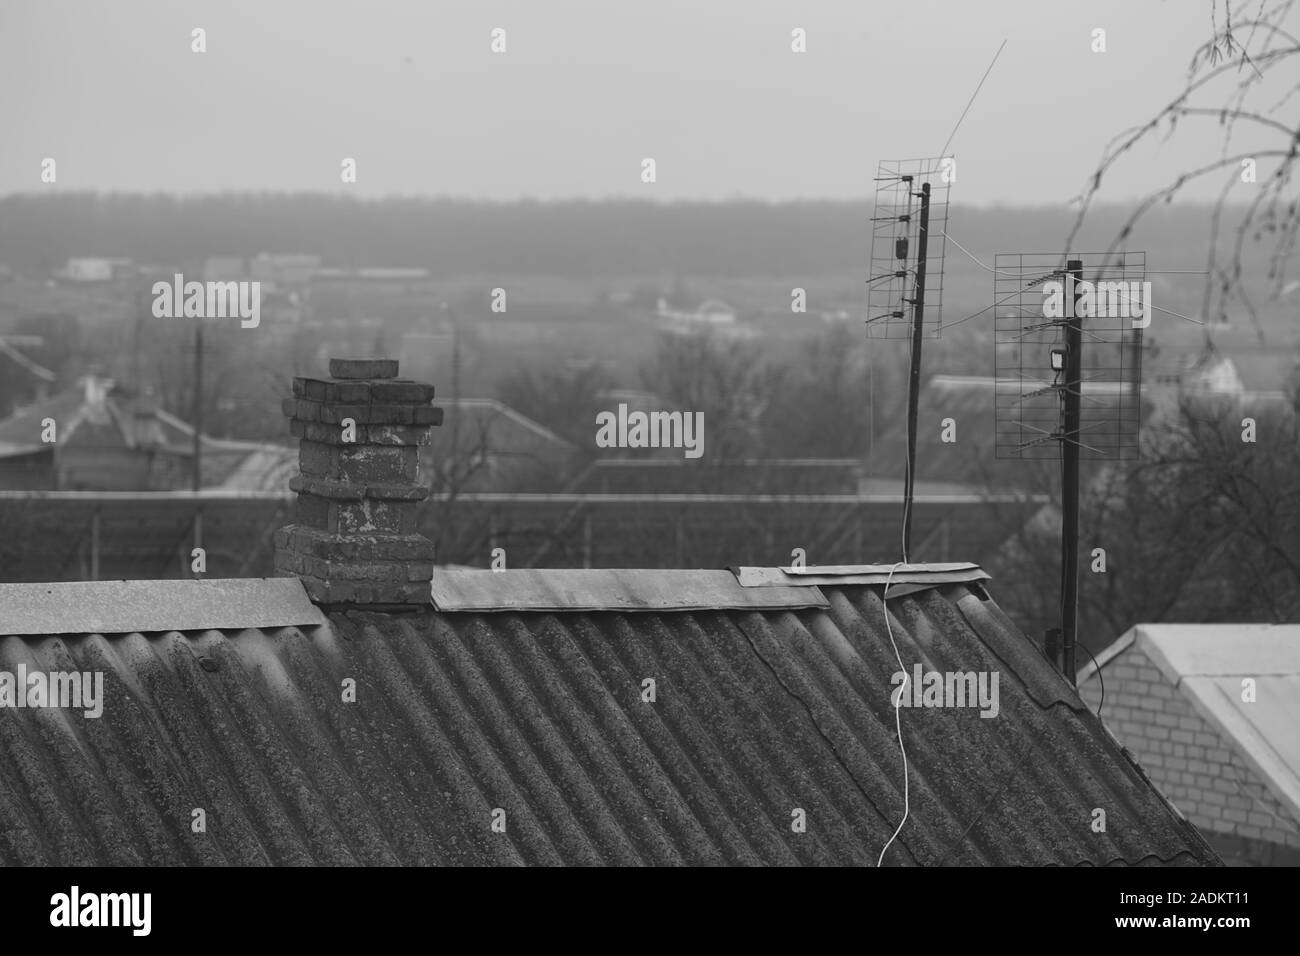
(128, 607)
(932, 575)
(619, 590)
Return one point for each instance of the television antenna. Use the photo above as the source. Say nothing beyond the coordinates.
(905, 286)
(1068, 374)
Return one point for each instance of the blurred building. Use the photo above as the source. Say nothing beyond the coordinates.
(106, 439)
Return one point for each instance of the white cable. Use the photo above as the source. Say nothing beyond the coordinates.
(1001, 272)
(898, 717)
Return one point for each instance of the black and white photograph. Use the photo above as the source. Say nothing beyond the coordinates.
(680, 434)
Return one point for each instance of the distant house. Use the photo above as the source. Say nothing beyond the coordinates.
(108, 440)
(1213, 377)
(93, 269)
(1212, 712)
(281, 271)
(708, 312)
(712, 316)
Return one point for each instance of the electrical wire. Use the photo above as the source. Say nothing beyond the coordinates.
(1096, 670)
(971, 257)
(976, 315)
(898, 716)
(972, 99)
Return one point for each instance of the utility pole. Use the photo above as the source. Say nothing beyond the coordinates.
(914, 384)
(198, 429)
(198, 403)
(1071, 400)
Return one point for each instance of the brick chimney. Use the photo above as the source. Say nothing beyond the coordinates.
(355, 541)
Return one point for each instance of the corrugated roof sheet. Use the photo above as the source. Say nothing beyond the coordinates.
(78, 607)
(648, 589)
(757, 713)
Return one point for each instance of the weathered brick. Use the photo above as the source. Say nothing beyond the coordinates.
(396, 491)
(398, 434)
(328, 434)
(358, 572)
(363, 368)
(402, 391)
(348, 393)
(334, 489)
(333, 413)
(313, 512)
(379, 463)
(336, 592)
(371, 517)
(318, 460)
(419, 570)
(360, 548)
(312, 388)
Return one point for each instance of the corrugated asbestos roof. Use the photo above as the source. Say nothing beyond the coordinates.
(757, 713)
(79, 607)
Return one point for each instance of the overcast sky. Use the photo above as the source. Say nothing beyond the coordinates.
(587, 88)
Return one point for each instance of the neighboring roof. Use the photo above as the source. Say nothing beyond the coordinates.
(20, 433)
(758, 712)
(114, 419)
(1207, 663)
(267, 469)
(487, 411)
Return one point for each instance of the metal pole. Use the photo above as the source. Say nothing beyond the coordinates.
(914, 385)
(198, 402)
(1070, 475)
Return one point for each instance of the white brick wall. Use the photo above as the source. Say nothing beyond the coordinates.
(1185, 756)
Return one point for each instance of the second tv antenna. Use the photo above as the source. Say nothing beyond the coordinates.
(905, 286)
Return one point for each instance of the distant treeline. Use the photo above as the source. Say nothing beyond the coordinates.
(570, 238)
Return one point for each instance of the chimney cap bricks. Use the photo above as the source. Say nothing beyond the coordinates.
(354, 541)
